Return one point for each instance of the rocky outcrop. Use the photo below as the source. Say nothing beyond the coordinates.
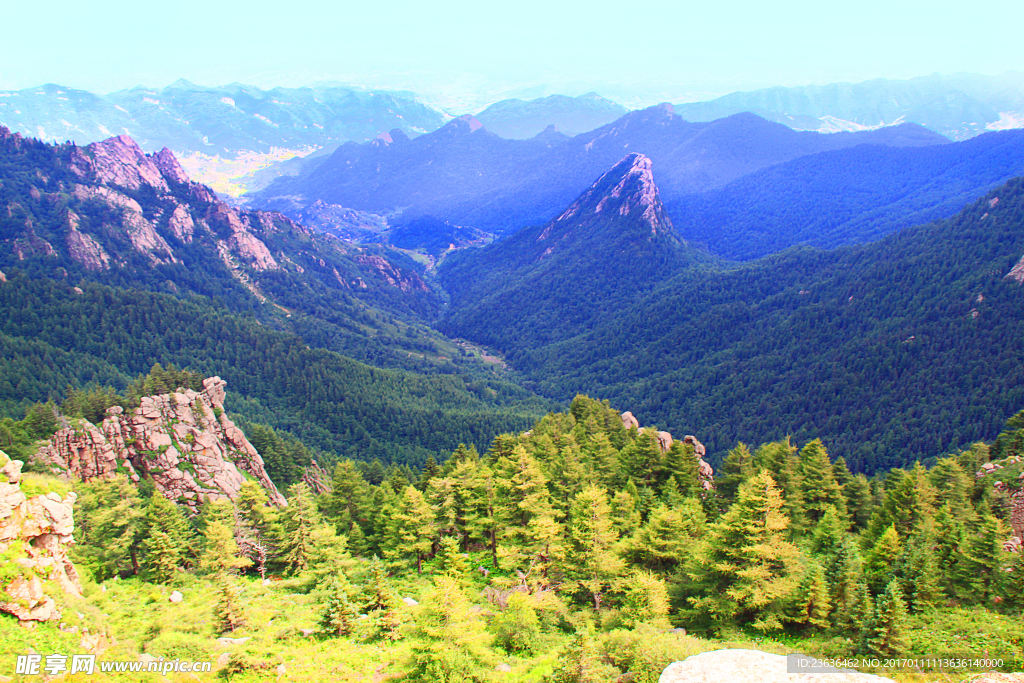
(405, 281)
(1017, 272)
(1014, 486)
(119, 161)
(169, 167)
(241, 242)
(181, 224)
(317, 479)
(36, 532)
(705, 473)
(84, 248)
(184, 441)
(141, 233)
(751, 666)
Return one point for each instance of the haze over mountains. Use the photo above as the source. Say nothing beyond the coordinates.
(467, 175)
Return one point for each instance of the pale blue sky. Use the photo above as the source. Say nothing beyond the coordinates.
(669, 50)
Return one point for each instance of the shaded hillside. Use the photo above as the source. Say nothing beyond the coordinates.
(468, 176)
(847, 196)
(893, 351)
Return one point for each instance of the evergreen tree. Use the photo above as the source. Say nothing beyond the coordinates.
(109, 525)
(581, 662)
(592, 561)
(300, 518)
(645, 601)
(169, 538)
(979, 562)
(851, 602)
(887, 633)
(453, 640)
(747, 571)
(668, 538)
(812, 604)
(737, 467)
(339, 611)
(411, 530)
(880, 559)
(818, 486)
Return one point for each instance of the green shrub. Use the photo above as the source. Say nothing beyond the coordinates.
(36, 484)
(175, 645)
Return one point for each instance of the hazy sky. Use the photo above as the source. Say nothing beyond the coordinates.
(459, 52)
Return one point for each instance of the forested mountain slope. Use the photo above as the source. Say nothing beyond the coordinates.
(113, 261)
(889, 352)
(848, 196)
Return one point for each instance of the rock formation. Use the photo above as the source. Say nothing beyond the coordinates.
(1017, 272)
(183, 440)
(317, 479)
(705, 473)
(1016, 492)
(34, 535)
(751, 666)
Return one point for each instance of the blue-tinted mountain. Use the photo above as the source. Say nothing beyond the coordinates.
(521, 119)
(958, 106)
(847, 196)
(221, 120)
(466, 175)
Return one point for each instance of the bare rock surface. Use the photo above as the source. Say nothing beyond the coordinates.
(40, 529)
(750, 666)
(183, 440)
(1017, 272)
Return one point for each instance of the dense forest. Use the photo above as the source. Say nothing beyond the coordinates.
(53, 336)
(890, 352)
(571, 550)
(850, 196)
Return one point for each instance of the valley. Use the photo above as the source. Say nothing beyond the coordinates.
(554, 392)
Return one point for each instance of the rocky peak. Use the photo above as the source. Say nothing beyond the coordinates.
(183, 440)
(37, 531)
(119, 161)
(626, 190)
(169, 166)
(467, 123)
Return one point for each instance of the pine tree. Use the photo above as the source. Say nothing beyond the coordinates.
(851, 602)
(451, 560)
(813, 605)
(109, 525)
(592, 561)
(881, 557)
(859, 501)
(978, 565)
(229, 612)
(737, 467)
(339, 611)
(668, 537)
(301, 517)
(818, 486)
(747, 571)
(453, 640)
(887, 633)
(645, 601)
(642, 459)
(169, 538)
(625, 511)
(410, 534)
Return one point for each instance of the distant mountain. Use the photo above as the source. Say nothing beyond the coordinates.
(466, 175)
(224, 120)
(958, 106)
(521, 119)
(848, 196)
(890, 352)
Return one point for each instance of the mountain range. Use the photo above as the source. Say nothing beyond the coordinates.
(224, 121)
(464, 174)
(958, 106)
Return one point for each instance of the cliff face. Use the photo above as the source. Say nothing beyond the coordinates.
(34, 535)
(184, 441)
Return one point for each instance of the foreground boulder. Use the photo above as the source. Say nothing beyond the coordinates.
(750, 666)
(34, 535)
(183, 440)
